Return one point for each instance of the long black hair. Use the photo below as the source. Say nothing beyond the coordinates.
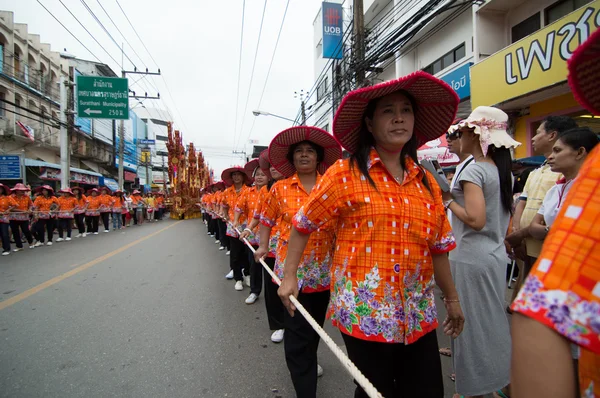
(503, 161)
(360, 158)
(580, 137)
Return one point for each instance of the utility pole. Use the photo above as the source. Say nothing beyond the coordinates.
(301, 95)
(164, 175)
(65, 175)
(122, 124)
(359, 42)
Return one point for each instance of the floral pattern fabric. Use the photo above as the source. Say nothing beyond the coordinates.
(382, 266)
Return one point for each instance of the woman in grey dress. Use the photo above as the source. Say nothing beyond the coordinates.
(481, 204)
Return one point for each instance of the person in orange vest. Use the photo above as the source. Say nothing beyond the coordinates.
(92, 214)
(67, 203)
(7, 203)
(45, 204)
(19, 217)
(106, 202)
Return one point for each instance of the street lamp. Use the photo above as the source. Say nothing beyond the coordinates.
(259, 113)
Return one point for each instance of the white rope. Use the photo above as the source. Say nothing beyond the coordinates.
(356, 374)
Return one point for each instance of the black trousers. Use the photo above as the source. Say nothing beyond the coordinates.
(92, 223)
(275, 308)
(45, 225)
(255, 272)
(79, 218)
(5, 236)
(24, 225)
(223, 235)
(301, 343)
(238, 259)
(64, 224)
(398, 370)
(105, 220)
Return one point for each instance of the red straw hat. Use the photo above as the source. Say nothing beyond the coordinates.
(78, 188)
(226, 175)
(46, 187)
(436, 102)
(279, 147)
(20, 187)
(105, 189)
(6, 189)
(135, 192)
(251, 167)
(66, 190)
(117, 192)
(584, 73)
(263, 161)
(89, 192)
(219, 184)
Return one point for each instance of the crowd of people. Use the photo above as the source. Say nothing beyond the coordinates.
(34, 218)
(364, 240)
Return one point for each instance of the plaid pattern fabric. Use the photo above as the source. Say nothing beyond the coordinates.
(589, 377)
(229, 199)
(43, 204)
(382, 274)
(23, 204)
(562, 290)
(68, 203)
(106, 202)
(245, 206)
(94, 203)
(284, 200)
(262, 197)
(5, 203)
(81, 204)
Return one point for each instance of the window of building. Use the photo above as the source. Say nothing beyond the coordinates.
(525, 28)
(561, 8)
(2, 98)
(322, 89)
(446, 60)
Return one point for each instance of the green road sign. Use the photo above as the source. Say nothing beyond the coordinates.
(102, 97)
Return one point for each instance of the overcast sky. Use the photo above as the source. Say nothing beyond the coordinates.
(196, 45)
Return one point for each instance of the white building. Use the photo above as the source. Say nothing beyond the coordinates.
(157, 120)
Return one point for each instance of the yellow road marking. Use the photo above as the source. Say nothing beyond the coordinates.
(28, 293)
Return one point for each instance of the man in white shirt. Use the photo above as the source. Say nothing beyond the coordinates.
(465, 159)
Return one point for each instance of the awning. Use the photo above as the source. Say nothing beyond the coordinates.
(110, 183)
(39, 163)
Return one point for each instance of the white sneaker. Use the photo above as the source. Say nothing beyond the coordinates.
(32, 246)
(277, 336)
(59, 239)
(228, 253)
(217, 242)
(95, 233)
(49, 244)
(38, 244)
(229, 275)
(319, 370)
(84, 235)
(222, 248)
(251, 298)
(78, 236)
(106, 231)
(239, 285)
(247, 280)
(67, 239)
(18, 249)
(7, 253)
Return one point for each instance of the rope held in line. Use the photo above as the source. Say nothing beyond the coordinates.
(356, 374)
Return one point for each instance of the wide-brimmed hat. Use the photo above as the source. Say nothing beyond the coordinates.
(436, 104)
(490, 124)
(89, 192)
(251, 166)
(264, 163)
(6, 189)
(118, 191)
(20, 187)
(136, 192)
(584, 73)
(218, 185)
(279, 147)
(82, 189)
(105, 189)
(46, 187)
(226, 175)
(66, 190)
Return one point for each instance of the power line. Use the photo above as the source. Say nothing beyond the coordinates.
(75, 37)
(136, 33)
(251, 74)
(237, 97)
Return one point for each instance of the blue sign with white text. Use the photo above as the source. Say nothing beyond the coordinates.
(460, 81)
(147, 142)
(333, 30)
(10, 167)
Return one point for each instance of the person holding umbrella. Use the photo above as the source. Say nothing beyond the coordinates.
(67, 204)
(45, 204)
(7, 203)
(79, 211)
(19, 217)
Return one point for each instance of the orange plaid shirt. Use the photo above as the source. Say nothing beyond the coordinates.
(81, 203)
(106, 203)
(229, 199)
(562, 290)
(43, 204)
(24, 204)
(93, 205)
(6, 202)
(274, 238)
(382, 273)
(245, 206)
(67, 203)
(283, 202)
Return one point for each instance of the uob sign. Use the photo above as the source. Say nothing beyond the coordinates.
(332, 30)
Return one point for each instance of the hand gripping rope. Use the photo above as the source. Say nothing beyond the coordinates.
(366, 385)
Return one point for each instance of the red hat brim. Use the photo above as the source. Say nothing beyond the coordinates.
(46, 187)
(279, 147)
(263, 161)
(584, 73)
(436, 102)
(226, 175)
(66, 190)
(20, 187)
(251, 166)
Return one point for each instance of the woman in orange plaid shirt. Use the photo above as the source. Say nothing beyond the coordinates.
(45, 205)
(79, 211)
(67, 203)
(106, 204)
(7, 203)
(92, 212)
(392, 235)
(302, 154)
(19, 217)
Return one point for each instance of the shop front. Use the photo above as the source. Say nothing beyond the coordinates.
(528, 79)
(129, 180)
(460, 81)
(44, 173)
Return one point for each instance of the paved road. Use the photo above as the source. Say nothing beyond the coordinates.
(141, 313)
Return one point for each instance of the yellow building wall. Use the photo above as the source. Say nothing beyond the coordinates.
(537, 111)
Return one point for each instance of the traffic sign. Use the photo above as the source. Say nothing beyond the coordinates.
(10, 167)
(102, 97)
(147, 142)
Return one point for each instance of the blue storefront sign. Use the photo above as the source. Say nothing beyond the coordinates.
(333, 30)
(147, 142)
(109, 183)
(460, 81)
(10, 167)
